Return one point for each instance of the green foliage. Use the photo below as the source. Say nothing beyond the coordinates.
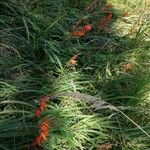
(35, 46)
(73, 126)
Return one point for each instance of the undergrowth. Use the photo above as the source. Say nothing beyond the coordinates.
(43, 52)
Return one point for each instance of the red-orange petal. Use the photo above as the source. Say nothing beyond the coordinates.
(38, 112)
(44, 126)
(42, 105)
(109, 15)
(38, 140)
(87, 27)
(78, 33)
(44, 136)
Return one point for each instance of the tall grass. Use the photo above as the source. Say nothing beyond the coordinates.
(35, 47)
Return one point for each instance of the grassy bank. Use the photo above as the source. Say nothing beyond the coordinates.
(100, 48)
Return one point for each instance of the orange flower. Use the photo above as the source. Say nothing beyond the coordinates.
(42, 105)
(78, 33)
(43, 135)
(81, 31)
(38, 140)
(105, 21)
(87, 27)
(127, 67)
(73, 60)
(44, 126)
(38, 112)
(109, 16)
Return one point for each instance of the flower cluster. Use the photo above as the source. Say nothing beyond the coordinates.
(128, 67)
(105, 21)
(43, 129)
(81, 31)
(107, 18)
(42, 105)
(44, 126)
(73, 60)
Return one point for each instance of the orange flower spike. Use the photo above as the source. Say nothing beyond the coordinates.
(38, 112)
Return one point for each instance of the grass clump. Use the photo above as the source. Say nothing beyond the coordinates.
(46, 48)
